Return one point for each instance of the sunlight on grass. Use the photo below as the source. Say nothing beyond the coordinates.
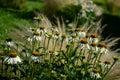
(32, 5)
(9, 20)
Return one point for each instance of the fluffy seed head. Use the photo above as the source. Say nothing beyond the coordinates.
(63, 35)
(94, 35)
(73, 35)
(37, 18)
(102, 45)
(33, 29)
(95, 70)
(36, 33)
(13, 54)
(35, 53)
(84, 41)
(115, 58)
(107, 62)
(93, 44)
(51, 51)
(8, 39)
(57, 33)
(27, 35)
(42, 27)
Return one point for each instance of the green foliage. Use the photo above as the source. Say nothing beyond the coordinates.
(69, 12)
(17, 4)
(37, 0)
(109, 6)
(12, 19)
(74, 12)
(81, 12)
(50, 6)
(9, 21)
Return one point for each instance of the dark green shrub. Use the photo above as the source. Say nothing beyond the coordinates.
(17, 4)
(71, 13)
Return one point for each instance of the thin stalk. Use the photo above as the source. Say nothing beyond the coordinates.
(109, 69)
(68, 48)
(55, 44)
(48, 43)
(44, 42)
(95, 61)
(61, 44)
(97, 58)
(2, 67)
(91, 60)
(6, 70)
(89, 56)
(33, 45)
(10, 71)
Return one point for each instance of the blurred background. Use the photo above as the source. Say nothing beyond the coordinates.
(16, 15)
(110, 17)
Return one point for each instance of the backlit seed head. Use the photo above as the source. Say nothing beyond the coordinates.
(78, 29)
(49, 35)
(57, 33)
(70, 30)
(35, 53)
(37, 18)
(42, 27)
(54, 27)
(51, 51)
(88, 35)
(34, 29)
(73, 35)
(27, 35)
(68, 45)
(84, 41)
(115, 58)
(13, 54)
(36, 33)
(102, 45)
(53, 72)
(8, 39)
(63, 35)
(93, 44)
(95, 70)
(107, 62)
(94, 35)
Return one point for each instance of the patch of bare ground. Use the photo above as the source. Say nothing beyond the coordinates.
(114, 73)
